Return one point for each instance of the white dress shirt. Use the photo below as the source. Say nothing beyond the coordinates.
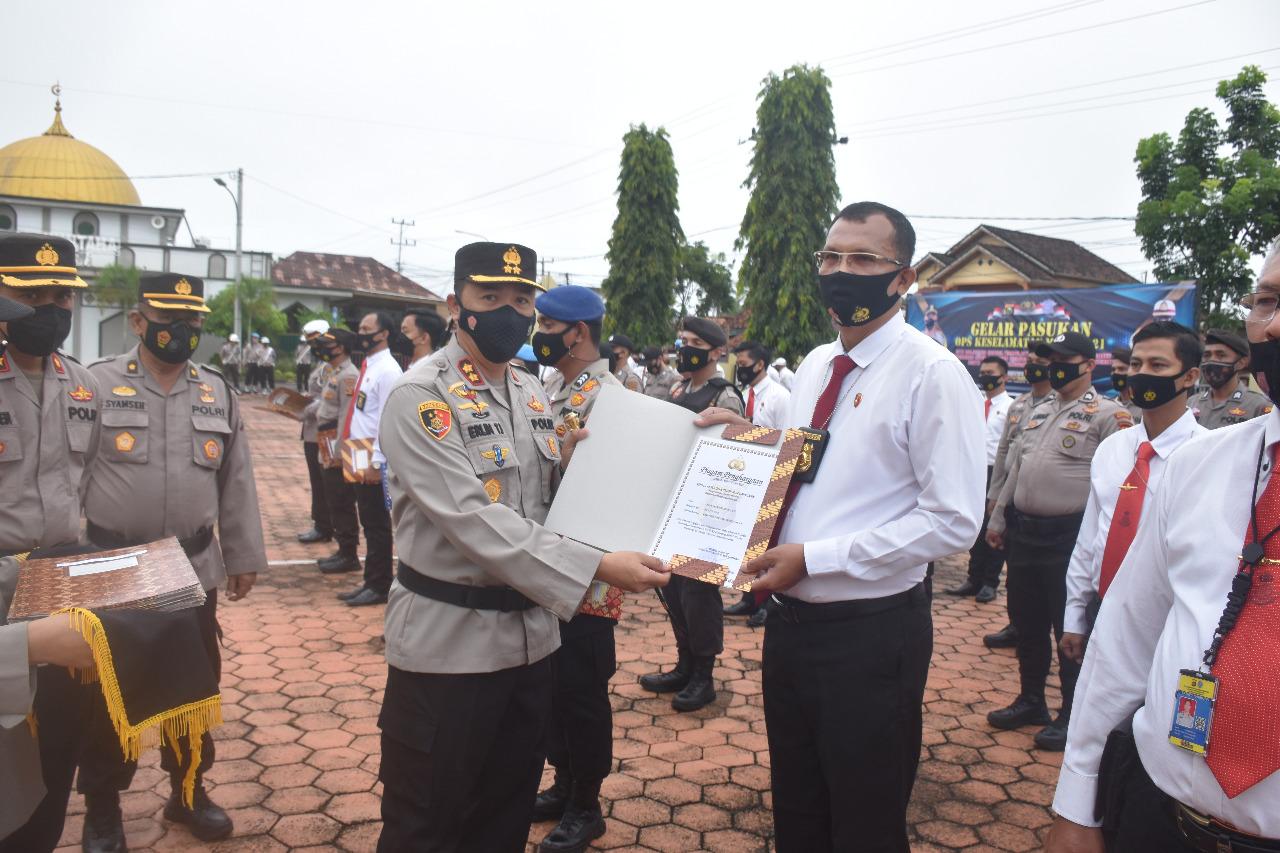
(380, 371)
(1112, 462)
(1159, 617)
(771, 401)
(902, 479)
(999, 410)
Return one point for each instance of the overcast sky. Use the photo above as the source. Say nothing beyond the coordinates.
(505, 119)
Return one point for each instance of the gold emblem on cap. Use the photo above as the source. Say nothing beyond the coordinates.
(512, 259)
(47, 257)
(182, 288)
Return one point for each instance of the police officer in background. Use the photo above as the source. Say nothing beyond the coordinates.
(580, 745)
(658, 375)
(1226, 357)
(267, 365)
(623, 370)
(1120, 357)
(1036, 374)
(252, 370)
(424, 329)
(335, 349)
(50, 420)
(471, 621)
(229, 355)
(695, 608)
(172, 440)
(321, 527)
(1045, 494)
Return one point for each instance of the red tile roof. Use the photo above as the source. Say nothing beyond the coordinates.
(352, 273)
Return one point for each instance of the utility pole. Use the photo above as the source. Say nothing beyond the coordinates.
(402, 242)
(238, 198)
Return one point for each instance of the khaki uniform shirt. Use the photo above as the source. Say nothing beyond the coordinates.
(170, 464)
(1244, 404)
(579, 395)
(47, 450)
(229, 354)
(469, 472)
(627, 377)
(1049, 462)
(660, 385)
(335, 399)
(316, 383)
(21, 781)
(1014, 421)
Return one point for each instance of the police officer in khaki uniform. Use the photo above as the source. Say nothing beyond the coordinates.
(317, 378)
(173, 461)
(696, 608)
(659, 377)
(50, 419)
(1120, 357)
(1045, 494)
(624, 372)
(471, 619)
(335, 402)
(580, 745)
(1225, 402)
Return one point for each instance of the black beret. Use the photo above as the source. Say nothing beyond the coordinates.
(708, 330)
(1227, 339)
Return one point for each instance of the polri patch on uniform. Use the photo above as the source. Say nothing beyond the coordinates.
(436, 418)
(1069, 441)
(499, 455)
(536, 404)
(477, 407)
(211, 449)
(1238, 412)
(124, 391)
(469, 372)
(493, 489)
(590, 385)
(1075, 425)
(560, 430)
(577, 400)
(582, 379)
(350, 385)
(125, 442)
(81, 394)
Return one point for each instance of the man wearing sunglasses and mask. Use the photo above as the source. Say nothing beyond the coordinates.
(174, 460)
(1045, 495)
(1226, 357)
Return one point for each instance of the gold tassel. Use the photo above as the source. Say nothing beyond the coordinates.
(193, 720)
(31, 722)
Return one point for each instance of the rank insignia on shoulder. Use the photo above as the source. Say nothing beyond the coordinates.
(493, 489)
(1237, 395)
(194, 374)
(1069, 441)
(131, 368)
(81, 394)
(551, 444)
(124, 391)
(1, 447)
(124, 442)
(57, 363)
(515, 377)
(1266, 410)
(4, 364)
(590, 385)
(211, 449)
(536, 404)
(582, 379)
(577, 400)
(469, 372)
(1238, 412)
(436, 418)
(499, 455)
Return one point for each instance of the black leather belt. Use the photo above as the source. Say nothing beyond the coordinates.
(502, 598)
(1211, 836)
(109, 540)
(795, 611)
(1046, 525)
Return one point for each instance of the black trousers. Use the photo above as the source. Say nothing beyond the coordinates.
(341, 497)
(251, 372)
(103, 768)
(697, 616)
(375, 518)
(1037, 603)
(269, 376)
(232, 372)
(319, 501)
(580, 734)
(461, 759)
(1147, 823)
(985, 562)
(302, 373)
(62, 708)
(843, 708)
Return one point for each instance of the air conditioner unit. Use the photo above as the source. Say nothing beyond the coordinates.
(157, 222)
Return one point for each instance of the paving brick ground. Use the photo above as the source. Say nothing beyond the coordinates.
(303, 679)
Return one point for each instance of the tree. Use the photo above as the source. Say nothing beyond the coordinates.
(258, 311)
(644, 250)
(1211, 200)
(794, 198)
(705, 278)
(117, 287)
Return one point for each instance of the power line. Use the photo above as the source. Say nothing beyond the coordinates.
(401, 242)
(111, 177)
(316, 206)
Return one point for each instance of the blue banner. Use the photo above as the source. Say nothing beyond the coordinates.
(977, 324)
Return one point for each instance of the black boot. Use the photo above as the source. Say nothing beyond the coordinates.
(1053, 737)
(583, 822)
(103, 824)
(1005, 638)
(550, 803)
(745, 607)
(1027, 710)
(672, 680)
(700, 690)
(207, 821)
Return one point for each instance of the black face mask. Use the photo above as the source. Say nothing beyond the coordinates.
(692, 359)
(1062, 374)
(41, 333)
(987, 382)
(746, 377)
(549, 347)
(498, 333)
(857, 299)
(1036, 373)
(1119, 381)
(1264, 361)
(366, 342)
(172, 343)
(655, 369)
(1149, 392)
(1217, 373)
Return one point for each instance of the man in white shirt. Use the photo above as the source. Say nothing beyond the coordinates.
(1162, 616)
(267, 361)
(1162, 351)
(780, 373)
(899, 484)
(986, 562)
(377, 374)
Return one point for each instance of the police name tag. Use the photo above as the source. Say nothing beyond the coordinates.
(1193, 711)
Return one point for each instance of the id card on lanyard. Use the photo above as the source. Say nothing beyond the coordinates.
(1193, 711)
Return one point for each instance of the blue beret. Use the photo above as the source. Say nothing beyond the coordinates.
(571, 303)
(526, 353)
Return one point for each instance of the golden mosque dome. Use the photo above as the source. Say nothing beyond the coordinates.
(56, 165)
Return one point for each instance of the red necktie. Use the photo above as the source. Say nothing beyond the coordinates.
(821, 415)
(351, 407)
(751, 403)
(986, 414)
(1124, 521)
(1245, 744)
